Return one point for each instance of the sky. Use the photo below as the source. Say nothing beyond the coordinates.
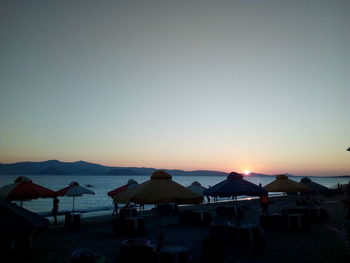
(221, 85)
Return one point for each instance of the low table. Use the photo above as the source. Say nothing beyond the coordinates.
(133, 225)
(72, 220)
(244, 235)
(137, 250)
(128, 212)
(249, 236)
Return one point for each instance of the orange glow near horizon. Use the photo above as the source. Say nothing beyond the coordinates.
(332, 166)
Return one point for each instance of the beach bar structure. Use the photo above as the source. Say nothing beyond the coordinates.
(17, 227)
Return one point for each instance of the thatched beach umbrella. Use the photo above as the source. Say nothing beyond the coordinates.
(74, 190)
(234, 186)
(283, 184)
(314, 188)
(197, 188)
(159, 189)
(24, 189)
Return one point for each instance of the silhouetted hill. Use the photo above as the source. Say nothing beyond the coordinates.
(196, 172)
(259, 175)
(55, 167)
(123, 171)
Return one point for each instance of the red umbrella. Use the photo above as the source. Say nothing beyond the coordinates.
(118, 190)
(123, 188)
(24, 189)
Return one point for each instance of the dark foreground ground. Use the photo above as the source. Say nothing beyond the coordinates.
(326, 242)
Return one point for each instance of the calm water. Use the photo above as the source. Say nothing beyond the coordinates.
(102, 203)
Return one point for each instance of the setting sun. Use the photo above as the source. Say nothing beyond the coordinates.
(247, 172)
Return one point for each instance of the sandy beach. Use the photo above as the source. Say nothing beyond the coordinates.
(325, 242)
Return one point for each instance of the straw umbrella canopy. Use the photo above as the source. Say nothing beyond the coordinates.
(159, 189)
(74, 190)
(234, 186)
(313, 187)
(131, 183)
(283, 184)
(197, 188)
(24, 189)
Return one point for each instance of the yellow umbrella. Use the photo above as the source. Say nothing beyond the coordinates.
(283, 184)
(159, 190)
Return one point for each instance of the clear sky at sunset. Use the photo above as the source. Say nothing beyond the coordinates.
(221, 85)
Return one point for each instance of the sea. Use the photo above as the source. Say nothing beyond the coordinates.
(101, 203)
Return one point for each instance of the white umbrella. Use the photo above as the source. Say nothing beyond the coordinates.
(197, 188)
(74, 190)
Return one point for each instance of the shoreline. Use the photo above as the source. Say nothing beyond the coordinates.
(102, 186)
(106, 211)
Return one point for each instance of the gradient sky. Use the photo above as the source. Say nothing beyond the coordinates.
(223, 85)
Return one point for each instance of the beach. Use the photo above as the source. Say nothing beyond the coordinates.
(325, 242)
(153, 107)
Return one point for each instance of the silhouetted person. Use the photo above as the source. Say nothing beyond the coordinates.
(208, 198)
(55, 209)
(264, 202)
(116, 208)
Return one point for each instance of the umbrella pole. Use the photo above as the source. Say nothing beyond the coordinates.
(160, 234)
(238, 220)
(73, 203)
(235, 204)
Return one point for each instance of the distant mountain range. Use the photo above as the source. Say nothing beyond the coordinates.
(55, 167)
(267, 175)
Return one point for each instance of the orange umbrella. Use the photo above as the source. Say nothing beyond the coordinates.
(197, 188)
(159, 190)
